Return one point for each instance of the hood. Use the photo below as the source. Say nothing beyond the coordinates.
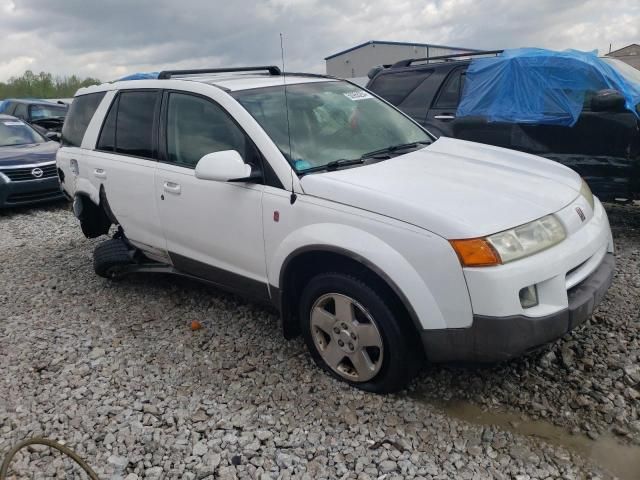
(454, 188)
(27, 154)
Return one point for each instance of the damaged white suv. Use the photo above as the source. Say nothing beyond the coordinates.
(380, 245)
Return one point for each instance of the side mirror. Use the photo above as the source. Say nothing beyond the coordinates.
(55, 136)
(374, 71)
(608, 100)
(225, 166)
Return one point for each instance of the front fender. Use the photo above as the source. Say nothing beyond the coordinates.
(369, 250)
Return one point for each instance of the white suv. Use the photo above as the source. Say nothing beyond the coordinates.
(380, 245)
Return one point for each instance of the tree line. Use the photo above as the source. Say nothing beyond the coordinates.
(43, 85)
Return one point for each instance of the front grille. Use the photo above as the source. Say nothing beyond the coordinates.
(36, 196)
(23, 174)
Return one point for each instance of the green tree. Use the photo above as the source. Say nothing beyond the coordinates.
(43, 85)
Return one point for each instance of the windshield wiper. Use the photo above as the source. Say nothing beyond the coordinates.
(394, 148)
(343, 162)
(333, 165)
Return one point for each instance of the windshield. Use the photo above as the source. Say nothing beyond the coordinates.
(328, 121)
(627, 71)
(45, 111)
(14, 132)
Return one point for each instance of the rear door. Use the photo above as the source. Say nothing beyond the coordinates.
(442, 114)
(123, 166)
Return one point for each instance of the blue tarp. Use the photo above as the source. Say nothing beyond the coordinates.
(537, 86)
(140, 76)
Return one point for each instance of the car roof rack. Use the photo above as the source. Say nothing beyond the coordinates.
(409, 61)
(167, 74)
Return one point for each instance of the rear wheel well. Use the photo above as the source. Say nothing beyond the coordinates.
(94, 220)
(300, 269)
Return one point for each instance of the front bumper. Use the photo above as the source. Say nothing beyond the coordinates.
(491, 339)
(29, 192)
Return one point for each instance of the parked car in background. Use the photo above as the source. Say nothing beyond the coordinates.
(378, 244)
(46, 117)
(27, 165)
(602, 143)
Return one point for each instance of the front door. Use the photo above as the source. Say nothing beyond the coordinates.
(213, 229)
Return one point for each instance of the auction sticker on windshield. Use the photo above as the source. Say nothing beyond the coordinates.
(358, 95)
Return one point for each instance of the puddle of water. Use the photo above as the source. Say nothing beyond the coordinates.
(606, 451)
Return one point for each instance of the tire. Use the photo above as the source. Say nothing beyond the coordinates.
(325, 299)
(109, 256)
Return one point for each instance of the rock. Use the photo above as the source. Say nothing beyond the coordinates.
(387, 466)
(548, 359)
(118, 463)
(152, 409)
(284, 460)
(153, 473)
(199, 449)
(568, 356)
(632, 373)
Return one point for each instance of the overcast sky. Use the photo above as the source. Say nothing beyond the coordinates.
(109, 38)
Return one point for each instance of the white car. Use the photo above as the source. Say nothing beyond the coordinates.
(380, 245)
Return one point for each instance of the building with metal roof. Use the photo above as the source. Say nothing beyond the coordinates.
(629, 54)
(357, 61)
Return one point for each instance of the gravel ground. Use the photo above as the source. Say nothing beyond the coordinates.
(114, 370)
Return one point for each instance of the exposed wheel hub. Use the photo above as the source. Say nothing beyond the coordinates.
(345, 337)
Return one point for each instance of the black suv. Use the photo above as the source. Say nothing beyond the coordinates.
(44, 116)
(603, 146)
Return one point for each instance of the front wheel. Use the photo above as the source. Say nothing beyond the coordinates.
(353, 332)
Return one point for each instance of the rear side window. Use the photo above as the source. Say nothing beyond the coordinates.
(78, 118)
(128, 127)
(395, 87)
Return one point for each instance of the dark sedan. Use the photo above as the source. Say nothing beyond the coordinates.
(45, 116)
(27, 165)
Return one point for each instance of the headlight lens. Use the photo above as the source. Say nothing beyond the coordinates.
(527, 239)
(511, 244)
(585, 191)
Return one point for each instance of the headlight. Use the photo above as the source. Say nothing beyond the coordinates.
(527, 239)
(585, 191)
(511, 244)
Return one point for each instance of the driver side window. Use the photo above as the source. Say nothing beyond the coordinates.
(196, 127)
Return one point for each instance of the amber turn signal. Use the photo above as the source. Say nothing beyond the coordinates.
(476, 252)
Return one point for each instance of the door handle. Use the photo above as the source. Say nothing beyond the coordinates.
(171, 187)
(445, 117)
(99, 173)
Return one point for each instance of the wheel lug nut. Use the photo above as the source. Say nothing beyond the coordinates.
(350, 346)
(336, 330)
(344, 326)
(341, 343)
(353, 336)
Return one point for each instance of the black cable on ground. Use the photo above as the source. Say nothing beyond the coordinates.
(4, 469)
